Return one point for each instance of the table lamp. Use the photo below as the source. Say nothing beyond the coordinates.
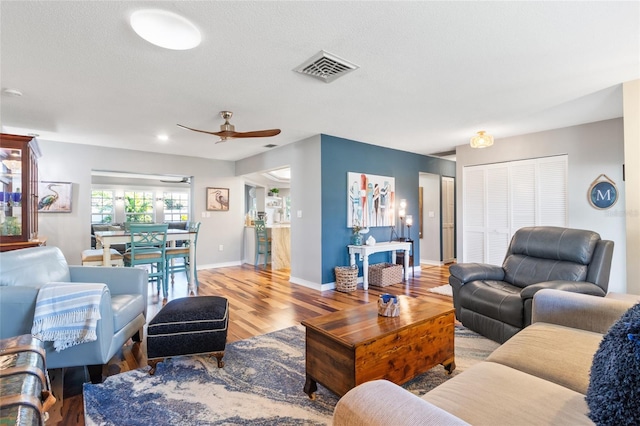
(401, 213)
(409, 223)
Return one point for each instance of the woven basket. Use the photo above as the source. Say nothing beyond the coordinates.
(384, 274)
(346, 278)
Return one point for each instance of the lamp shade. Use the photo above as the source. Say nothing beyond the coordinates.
(481, 140)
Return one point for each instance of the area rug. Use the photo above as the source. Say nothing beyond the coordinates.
(260, 384)
(443, 289)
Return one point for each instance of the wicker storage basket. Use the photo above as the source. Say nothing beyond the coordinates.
(346, 278)
(384, 274)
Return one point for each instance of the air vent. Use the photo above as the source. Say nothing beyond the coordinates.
(326, 67)
(271, 145)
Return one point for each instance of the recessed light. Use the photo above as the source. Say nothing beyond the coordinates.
(165, 29)
(163, 138)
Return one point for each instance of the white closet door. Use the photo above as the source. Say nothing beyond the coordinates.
(499, 199)
(523, 194)
(474, 214)
(552, 191)
(497, 205)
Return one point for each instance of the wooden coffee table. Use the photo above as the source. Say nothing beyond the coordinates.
(353, 346)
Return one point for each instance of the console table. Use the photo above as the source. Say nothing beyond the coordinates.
(364, 251)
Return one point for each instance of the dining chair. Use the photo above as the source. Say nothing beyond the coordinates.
(147, 247)
(173, 253)
(263, 242)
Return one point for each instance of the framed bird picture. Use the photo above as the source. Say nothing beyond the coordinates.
(54, 197)
(218, 199)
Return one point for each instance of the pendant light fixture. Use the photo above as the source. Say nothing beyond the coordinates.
(481, 140)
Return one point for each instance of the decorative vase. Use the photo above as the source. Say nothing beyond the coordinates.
(356, 239)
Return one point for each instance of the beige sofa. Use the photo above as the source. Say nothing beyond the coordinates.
(538, 377)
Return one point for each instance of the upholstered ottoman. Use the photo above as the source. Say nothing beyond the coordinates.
(188, 326)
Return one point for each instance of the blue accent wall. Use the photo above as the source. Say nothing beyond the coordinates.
(340, 156)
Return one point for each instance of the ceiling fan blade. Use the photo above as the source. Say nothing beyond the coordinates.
(257, 134)
(196, 130)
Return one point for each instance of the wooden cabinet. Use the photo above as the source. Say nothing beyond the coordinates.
(18, 192)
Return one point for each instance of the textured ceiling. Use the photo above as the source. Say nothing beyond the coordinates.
(431, 73)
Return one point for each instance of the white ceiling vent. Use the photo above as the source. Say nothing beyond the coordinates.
(326, 67)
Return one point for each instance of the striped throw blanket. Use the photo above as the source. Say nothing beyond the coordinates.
(67, 314)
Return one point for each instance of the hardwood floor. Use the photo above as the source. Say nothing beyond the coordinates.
(260, 301)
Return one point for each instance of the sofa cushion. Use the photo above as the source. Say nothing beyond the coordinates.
(398, 407)
(33, 267)
(614, 391)
(494, 394)
(125, 308)
(552, 352)
(495, 299)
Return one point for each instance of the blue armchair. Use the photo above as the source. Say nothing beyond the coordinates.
(123, 306)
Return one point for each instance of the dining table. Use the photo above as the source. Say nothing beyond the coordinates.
(104, 240)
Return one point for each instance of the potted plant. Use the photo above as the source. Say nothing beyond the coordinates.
(273, 192)
(356, 236)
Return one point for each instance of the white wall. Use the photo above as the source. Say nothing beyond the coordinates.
(593, 149)
(73, 163)
(306, 238)
(430, 242)
(631, 105)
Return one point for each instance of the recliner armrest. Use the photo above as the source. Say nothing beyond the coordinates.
(466, 272)
(577, 310)
(583, 287)
(119, 280)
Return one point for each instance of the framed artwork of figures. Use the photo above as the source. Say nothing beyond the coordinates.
(370, 200)
(218, 199)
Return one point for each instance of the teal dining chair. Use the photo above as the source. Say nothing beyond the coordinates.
(173, 253)
(147, 247)
(263, 242)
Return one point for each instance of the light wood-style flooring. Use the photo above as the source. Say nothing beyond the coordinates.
(260, 301)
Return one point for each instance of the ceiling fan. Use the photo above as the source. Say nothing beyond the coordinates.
(228, 130)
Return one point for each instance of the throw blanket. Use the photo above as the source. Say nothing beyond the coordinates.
(67, 313)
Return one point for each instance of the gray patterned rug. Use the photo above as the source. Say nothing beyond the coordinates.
(260, 384)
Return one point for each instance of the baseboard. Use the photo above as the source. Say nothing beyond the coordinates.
(219, 265)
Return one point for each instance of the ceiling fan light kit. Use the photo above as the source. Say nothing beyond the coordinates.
(481, 140)
(228, 130)
(165, 29)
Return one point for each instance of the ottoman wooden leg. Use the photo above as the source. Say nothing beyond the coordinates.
(218, 356)
(152, 363)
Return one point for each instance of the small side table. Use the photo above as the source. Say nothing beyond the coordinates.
(400, 257)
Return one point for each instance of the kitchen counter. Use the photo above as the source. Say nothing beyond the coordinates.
(280, 235)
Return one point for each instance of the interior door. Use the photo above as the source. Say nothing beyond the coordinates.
(448, 219)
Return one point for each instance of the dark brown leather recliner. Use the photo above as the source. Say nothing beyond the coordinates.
(495, 301)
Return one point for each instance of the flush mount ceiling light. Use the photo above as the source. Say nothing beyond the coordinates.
(481, 140)
(12, 92)
(165, 29)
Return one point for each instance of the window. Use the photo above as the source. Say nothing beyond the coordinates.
(138, 206)
(102, 207)
(176, 206)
